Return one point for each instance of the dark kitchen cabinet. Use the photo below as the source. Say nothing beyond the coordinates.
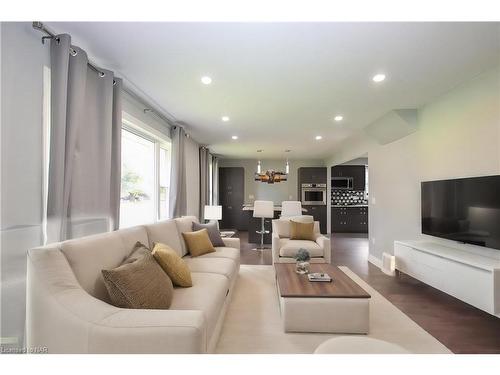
(319, 214)
(357, 172)
(231, 197)
(359, 177)
(338, 171)
(312, 175)
(349, 220)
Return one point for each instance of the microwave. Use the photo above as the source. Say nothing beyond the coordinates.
(313, 194)
(342, 183)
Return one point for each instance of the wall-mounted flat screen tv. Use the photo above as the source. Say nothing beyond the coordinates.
(465, 210)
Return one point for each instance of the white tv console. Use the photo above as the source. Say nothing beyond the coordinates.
(470, 277)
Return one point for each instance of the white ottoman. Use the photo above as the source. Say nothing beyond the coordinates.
(358, 345)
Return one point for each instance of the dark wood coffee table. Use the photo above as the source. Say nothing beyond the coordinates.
(340, 306)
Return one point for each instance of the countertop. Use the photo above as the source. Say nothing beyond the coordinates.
(350, 205)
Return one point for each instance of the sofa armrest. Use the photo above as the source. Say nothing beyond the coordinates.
(149, 331)
(275, 247)
(324, 243)
(232, 242)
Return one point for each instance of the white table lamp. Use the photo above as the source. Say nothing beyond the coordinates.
(213, 213)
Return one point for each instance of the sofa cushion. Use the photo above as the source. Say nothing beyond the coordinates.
(221, 266)
(166, 232)
(87, 256)
(289, 248)
(139, 283)
(184, 225)
(130, 236)
(213, 232)
(198, 243)
(207, 294)
(175, 267)
(222, 252)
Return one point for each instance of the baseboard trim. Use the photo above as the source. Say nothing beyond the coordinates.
(375, 261)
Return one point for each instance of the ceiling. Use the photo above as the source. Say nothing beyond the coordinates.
(281, 84)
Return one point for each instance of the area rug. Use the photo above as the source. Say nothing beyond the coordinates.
(253, 322)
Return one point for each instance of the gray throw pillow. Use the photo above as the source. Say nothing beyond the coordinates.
(213, 232)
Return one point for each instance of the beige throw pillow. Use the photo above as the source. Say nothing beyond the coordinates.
(301, 231)
(198, 242)
(172, 264)
(139, 282)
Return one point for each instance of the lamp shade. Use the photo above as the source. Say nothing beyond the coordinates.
(213, 213)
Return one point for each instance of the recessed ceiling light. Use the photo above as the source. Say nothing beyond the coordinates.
(234, 137)
(338, 118)
(206, 80)
(319, 137)
(378, 77)
(225, 118)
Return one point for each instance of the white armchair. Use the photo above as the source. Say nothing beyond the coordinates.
(284, 249)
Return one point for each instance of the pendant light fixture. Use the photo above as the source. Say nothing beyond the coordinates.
(271, 176)
(287, 165)
(259, 168)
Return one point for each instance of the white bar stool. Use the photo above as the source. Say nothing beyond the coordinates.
(291, 208)
(263, 210)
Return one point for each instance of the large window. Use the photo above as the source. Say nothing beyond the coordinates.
(145, 178)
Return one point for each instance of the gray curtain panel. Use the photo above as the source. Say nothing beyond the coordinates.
(205, 159)
(84, 170)
(178, 189)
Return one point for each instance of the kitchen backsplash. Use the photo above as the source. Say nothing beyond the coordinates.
(349, 197)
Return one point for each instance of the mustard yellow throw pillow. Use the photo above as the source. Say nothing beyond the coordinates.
(198, 242)
(173, 265)
(301, 231)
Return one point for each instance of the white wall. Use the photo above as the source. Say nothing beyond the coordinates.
(278, 192)
(357, 161)
(22, 60)
(458, 135)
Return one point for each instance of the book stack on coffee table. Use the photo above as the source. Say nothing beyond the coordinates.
(319, 277)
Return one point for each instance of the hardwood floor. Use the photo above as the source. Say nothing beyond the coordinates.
(461, 327)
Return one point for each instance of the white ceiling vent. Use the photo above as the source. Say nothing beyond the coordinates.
(394, 125)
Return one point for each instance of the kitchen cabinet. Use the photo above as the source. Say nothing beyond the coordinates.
(359, 177)
(349, 219)
(312, 175)
(357, 172)
(319, 214)
(231, 196)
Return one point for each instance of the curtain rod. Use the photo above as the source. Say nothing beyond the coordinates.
(37, 25)
(50, 35)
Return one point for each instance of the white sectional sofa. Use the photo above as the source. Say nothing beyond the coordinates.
(68, 307)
